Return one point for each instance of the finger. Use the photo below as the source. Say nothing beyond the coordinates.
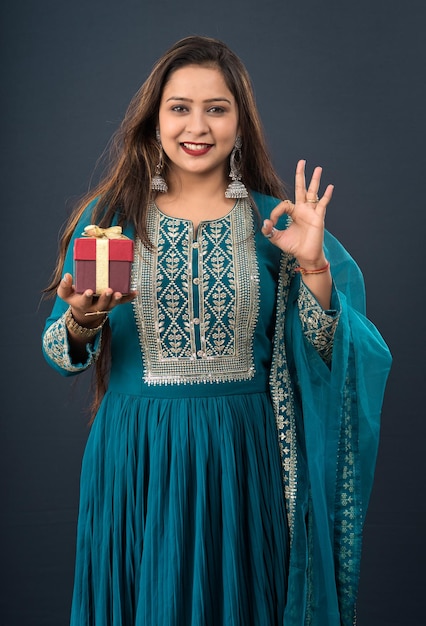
(324, 200)
(119, 298)
(285, 207)
(314, 185)
(268, 228)
(300, 182)
(93, 304)
(128, 297)
(65, 288)
(105, 300)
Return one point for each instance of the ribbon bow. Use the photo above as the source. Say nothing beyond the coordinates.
(113, 232)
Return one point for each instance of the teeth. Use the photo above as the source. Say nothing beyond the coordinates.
(196, 146)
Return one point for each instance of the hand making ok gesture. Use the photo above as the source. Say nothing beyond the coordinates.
(304, 237)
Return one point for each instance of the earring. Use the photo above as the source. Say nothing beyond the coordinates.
(158, 183)
(236, 189)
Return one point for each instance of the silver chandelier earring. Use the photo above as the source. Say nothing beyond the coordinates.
(158, 183)
(236, 189)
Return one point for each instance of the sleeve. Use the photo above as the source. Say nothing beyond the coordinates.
(56, 349)
(318, 325)
(55, 344)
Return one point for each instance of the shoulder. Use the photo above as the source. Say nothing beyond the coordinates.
(86, 213)
(93, 214)
(263, 203)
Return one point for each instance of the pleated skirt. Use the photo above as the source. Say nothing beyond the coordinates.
(182, 519)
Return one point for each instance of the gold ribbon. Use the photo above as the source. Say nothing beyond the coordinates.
(102, 264)
(113, 232)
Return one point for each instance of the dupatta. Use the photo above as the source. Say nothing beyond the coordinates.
(328, 421)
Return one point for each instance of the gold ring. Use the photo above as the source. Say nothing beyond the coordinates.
(313, 201)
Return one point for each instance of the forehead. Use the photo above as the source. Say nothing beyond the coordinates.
(197, 80)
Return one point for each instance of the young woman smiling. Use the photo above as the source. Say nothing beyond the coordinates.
(239, 384)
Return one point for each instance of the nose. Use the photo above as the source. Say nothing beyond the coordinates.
(197, 123)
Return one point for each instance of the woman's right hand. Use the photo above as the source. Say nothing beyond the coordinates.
(84, 307)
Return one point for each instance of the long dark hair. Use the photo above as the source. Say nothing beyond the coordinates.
(124, 193)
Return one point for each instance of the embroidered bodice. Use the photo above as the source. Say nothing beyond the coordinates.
(205, 309)
(198, 298)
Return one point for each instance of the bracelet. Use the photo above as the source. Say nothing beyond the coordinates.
(321, 270)
(75, 327)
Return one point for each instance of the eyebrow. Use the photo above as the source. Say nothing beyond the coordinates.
(180, 99)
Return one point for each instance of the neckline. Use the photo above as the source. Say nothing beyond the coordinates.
(237, 203)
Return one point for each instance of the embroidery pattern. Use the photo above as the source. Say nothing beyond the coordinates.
(309, 571)
(198, 300)
(318, 326)
(55, 344)
(282, 395)
(348, 526)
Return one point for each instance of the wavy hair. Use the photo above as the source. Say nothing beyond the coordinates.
(124, 192)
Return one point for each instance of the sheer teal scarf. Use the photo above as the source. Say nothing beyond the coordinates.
(328, 421)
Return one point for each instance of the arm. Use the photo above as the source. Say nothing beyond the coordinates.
(318, 325)
(72, 342)
(73, 332)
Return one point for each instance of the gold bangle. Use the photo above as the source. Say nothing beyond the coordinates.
(321, 270)
(75, 327)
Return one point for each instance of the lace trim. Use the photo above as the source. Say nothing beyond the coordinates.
(318, 325)
(348, 524)
(56, 347)
(283, 398)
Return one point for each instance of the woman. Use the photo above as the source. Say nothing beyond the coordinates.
(239, 384)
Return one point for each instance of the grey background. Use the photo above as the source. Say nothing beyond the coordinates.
(338, 82)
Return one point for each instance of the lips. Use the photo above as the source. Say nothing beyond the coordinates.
(196, 149)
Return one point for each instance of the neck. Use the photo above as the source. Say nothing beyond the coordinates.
(190, 187)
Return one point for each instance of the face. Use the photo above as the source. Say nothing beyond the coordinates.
(198, 121)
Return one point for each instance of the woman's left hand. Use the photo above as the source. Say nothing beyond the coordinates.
(304, 237)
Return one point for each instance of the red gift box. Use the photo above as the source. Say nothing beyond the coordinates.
(103, 260)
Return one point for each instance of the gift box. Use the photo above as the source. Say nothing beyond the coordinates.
(102, 258)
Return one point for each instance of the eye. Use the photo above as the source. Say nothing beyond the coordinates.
(178, 108)
(216, 110)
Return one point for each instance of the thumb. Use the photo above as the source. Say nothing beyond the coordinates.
(65, 288)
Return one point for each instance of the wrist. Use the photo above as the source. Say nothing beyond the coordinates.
(314, 268)
(312, 264)
(86, 330)
(90, 320)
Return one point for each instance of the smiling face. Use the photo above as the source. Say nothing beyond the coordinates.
(198, 122)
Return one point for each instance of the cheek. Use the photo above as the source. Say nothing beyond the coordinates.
(167, 124)
(228, 131)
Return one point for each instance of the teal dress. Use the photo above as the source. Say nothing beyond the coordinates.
(226, 474)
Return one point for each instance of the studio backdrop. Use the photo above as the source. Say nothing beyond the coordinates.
(338, 83)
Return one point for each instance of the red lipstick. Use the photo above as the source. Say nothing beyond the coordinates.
(195, 149)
